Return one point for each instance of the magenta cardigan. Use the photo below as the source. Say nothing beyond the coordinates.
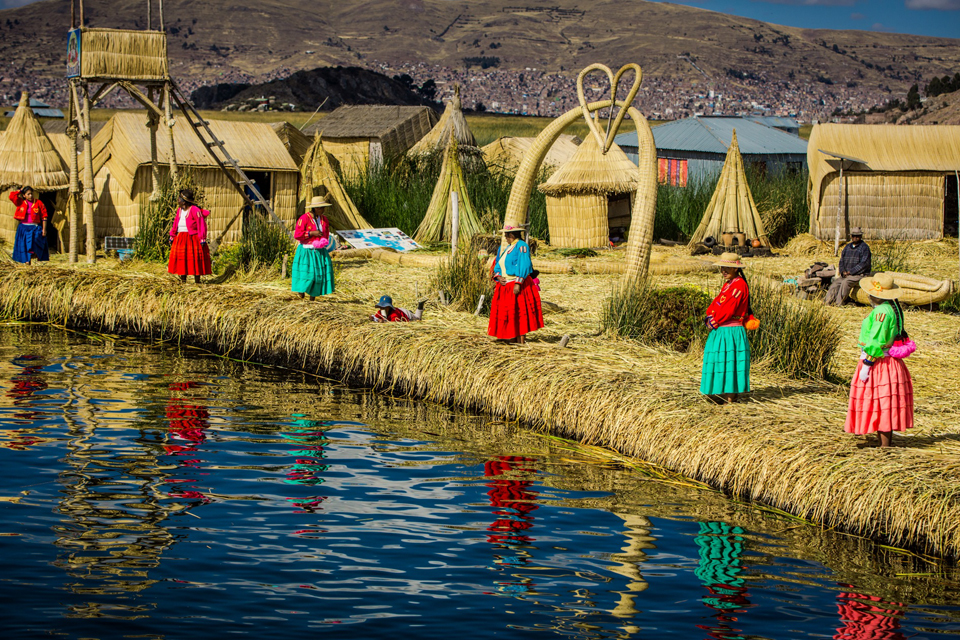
(196, 222)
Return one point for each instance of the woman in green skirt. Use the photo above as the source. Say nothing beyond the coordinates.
(726, 356)
(312, 268)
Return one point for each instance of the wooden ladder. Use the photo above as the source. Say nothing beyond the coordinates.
(218, 152)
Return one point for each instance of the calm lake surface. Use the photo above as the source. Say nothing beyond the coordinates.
(152, 492)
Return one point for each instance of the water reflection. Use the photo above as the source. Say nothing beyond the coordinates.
(638, 540)
(514, 502)
(868, 617)
(26, 382)
(311, 439)
(186, 431)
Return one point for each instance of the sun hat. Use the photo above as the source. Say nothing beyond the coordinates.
(856, 231)
(319, 201)
(881, 285)
(385, 302)
(518, 229)
(730, 259)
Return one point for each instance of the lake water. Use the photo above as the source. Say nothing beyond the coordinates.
(152, 492)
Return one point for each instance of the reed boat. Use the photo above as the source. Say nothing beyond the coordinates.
(917, 290)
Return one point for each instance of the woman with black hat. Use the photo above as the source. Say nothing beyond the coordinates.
(189, 254)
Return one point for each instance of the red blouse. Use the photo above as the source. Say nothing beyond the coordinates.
(730, 306)
(306, 224)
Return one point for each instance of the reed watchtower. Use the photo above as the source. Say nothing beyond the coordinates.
(100, 61)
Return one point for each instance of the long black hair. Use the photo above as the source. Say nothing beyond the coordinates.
(741, 274)
(898, 312)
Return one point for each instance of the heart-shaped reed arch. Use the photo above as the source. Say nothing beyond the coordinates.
(645, 200)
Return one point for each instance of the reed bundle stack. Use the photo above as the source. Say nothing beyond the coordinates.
(731, 209)
(784, 448)
(503, 155)
(27, 156)
(112, 54)
(451, 126)
(895, 179)
(590, 195)
(318, 177)
(437, 224)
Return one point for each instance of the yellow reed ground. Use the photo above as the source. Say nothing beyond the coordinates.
(784, 446)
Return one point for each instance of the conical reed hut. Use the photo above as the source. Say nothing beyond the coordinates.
(28, 157)
(504, 154)
(296, 142)
(589, 198)
(453, 125)
(437, 224)
(731, 209)
(319, 178)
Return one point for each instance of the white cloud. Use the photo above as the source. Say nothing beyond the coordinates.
(939, 5)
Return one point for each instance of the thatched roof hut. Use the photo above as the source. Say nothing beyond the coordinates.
(363, 136)
(124, 179)
(319, 178)
(503, 155)
(589, 198)
(899, 181)
(293, 139)
(731, 209)
(452, 125)
(27, 157)
(437, 224)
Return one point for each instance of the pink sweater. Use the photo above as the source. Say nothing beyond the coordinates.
(196, 222)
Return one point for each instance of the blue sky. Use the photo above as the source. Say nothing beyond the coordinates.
(921, 17)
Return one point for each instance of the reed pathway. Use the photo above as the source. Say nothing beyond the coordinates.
(784, 447)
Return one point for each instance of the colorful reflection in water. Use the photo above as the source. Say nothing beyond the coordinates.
(150, 493)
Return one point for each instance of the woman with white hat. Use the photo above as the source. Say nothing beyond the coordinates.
(312, 272)
(726, 356)
(881, 393)
(515, 309)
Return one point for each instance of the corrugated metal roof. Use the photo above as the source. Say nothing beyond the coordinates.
(41, 113)
(713, 134)
(779, 122)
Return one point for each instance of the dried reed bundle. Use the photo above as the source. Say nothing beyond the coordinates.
(806, 244)
(320, 178)
(784, 448)
(451, 126)
(437, 224)
(27, 156)
(592, 171)
(731, 209)
(121, 53)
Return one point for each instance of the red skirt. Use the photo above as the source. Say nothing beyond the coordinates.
(884, 402)
(189, 257)
(511, 315)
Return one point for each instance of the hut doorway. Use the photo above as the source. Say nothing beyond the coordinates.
(618, 216)
(262, 180)
(951, 206)
(49, 200)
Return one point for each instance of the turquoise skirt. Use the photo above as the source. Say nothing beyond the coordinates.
(726, 362)
(312, 272)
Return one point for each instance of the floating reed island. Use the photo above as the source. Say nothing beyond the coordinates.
(783, 447)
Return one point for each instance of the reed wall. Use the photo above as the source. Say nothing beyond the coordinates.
(578, 220)
(122, 53)
(353, 154)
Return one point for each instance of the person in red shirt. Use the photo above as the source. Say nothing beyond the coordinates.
(31, 216)
(726, 356)
(386, 312)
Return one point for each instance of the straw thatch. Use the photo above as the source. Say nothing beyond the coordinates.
(437, 224)
(452, 125)
(123, 175)
(319, 178)
(113, 54)
(293, 139)
(503, 155)
(592, 171)
(731, 209)
(894, 191)
(27, 157)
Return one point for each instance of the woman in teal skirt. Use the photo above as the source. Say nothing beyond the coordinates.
(312, 272)
(726, 356)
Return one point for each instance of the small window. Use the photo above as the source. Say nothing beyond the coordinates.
(672, 172)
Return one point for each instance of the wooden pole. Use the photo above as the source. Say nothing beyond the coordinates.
(956, 174)
(454, 221)
(836, 239)
(81, 13)
(73, 14)
(170, 121)
(89, 195)
(72, 131)
(161, 15)
(149, 15)
(152, 121)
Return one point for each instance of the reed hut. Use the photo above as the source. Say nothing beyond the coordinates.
(503, 155)
(589, 198)
(28, 157)
(451, 126)
(899, 183)
(319, 177)
(437, 224)
(362, 137)
(731, 209)
(293, 139)
(123, 177)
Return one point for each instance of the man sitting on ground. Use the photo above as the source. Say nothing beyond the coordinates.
(386, 312)
(854, 265)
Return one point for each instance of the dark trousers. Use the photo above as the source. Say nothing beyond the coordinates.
(840, 288)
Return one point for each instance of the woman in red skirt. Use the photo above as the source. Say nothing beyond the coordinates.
(881, 392)
(189, 254)
(515, 308)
